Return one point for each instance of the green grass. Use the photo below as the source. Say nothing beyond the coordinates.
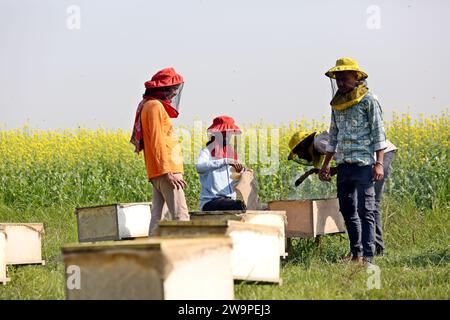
(416, 266)
(45, 175)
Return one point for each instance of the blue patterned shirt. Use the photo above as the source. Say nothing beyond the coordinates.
(357, 132)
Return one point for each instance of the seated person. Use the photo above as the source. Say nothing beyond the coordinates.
(215, 167)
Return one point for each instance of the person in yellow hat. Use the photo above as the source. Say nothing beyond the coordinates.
(356, 134)
(309, 149)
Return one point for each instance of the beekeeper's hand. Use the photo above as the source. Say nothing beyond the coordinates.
(324, 173)
(235, 164)
(176, 180)
(378, 172)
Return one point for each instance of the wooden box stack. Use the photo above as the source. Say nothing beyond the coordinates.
(148, 269)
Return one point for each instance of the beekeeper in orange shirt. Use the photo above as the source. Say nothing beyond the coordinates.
(153, 133)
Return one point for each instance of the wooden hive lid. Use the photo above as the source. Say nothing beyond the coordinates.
(229, 225)
(118, 204)
(301, 200)
(156, 243)
(193, 247)
(236, 215)
(30, 224)
(246, 226)
(280, 212)
(107, 245)
(223, 212)
(160, 253)
(194, 223)
(38, 227)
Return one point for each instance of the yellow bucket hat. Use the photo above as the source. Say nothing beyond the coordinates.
(295, 140)
(346, 64)
(299, 137)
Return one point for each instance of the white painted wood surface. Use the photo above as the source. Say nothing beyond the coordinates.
(276, 219)
(23, 243)
(3, 277)
(156, 268)
(256, 248)
(134, 220)
(255, 255)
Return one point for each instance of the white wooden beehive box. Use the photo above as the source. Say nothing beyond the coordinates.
(256, 252)
(150, 269)
(3, 278)
(113, 222)
(261, 217)
(23, 243)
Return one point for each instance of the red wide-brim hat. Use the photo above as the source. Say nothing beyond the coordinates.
(224, 124)
(164, 78)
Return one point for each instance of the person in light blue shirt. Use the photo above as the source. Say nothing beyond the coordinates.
(215, 166)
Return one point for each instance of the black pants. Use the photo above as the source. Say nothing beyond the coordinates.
(358, 215)
(223, 203)
(379, 188)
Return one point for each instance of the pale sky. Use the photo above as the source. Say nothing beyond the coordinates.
(254, 60)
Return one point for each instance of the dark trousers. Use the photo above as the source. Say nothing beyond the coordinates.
(223, 203)
(358, 212)
(379, 188)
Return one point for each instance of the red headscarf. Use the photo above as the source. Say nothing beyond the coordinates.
(224, 125)
(221, 150)
(163, 78)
